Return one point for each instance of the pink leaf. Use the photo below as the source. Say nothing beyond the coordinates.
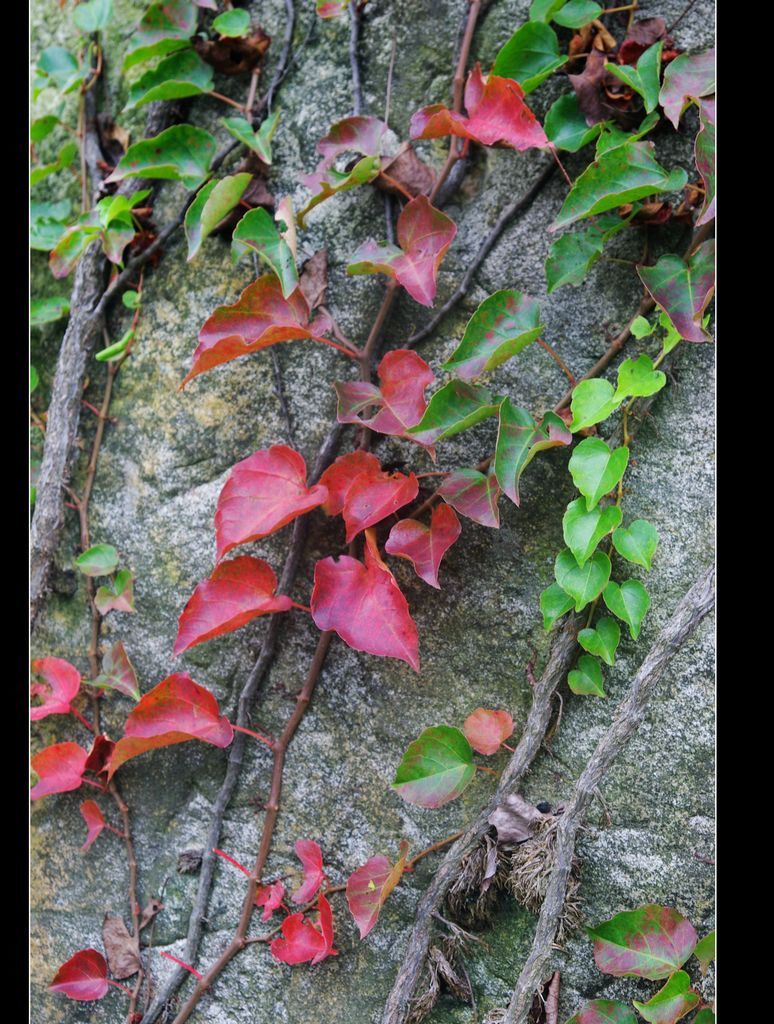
(486, 730)
(263, 493)
(61, 682)
(59, 768)
(497, 114)
(326, 927)
(95, 822)
(341, 474)
(359, 134)
(236, 592)
(365, 606)
(424, 235)
(473, 495)
(372, 498)
(301, 941)
(270, 897)
(310, 855)
(82, 977)
(425, 546)
(369, 887)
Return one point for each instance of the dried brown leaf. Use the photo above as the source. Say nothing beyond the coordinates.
(120, 947)
(514, 819)
(234, 56)
(313, 280)
(153, 907)
(408, 170)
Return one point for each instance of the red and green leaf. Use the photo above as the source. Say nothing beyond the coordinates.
(604, 1011)
(519, 439)
(705, 159)
(487, 730)
(683, 289)
(425, 546)
(474, 495)
(58, 687)
(436, 767)
(59, 768)
(690, 76)
(651, 942)
(369, 886)
(118, 673)
(95, 822)
(455, 407)
(257, 231)
(671, 1002)
(117, 595)
(502, 326)
(82, 977)
(359, 134)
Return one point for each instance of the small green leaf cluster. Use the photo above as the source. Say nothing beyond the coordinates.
(101, 560)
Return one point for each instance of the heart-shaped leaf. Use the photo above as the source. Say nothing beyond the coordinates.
(301, 941)
(95, 822)
(650, 942)
(99, 560)
(117, 594)
(310, 855)
(583, 530)
(582, 583)
(453, 408)
(373, 497)
(474, 495)
(181, 74)
(213, 201)
(258, 141)
(487, 730)
(436, 767)
(603, 640)
(645, 79)
(92, 15)
(638, 379)
(425, 546)
(554, 603)
(630, 602)
(341, 474)
(604, 1011)
(577, 13)
(530, 55)
(118, 673)
(595, 470)
(519, 439)
(502, 326)
(671, 1002)
(572, 256)
(687, 77)
(180, 153)
(587, 677)
(166, 26)
(369, 887)
(592, 401)
(705, 951)
(256, 231)
(57, 686)
(637, 542)
(46, 311)
(233, 23)
(82, 977)
(566, 126)
(59, 768)
(704, 151)
(683, 289)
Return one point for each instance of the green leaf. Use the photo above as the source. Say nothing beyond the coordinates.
(638, 379)
(58, 68)
(436, 768)
(637, 543)
(592, 401)
(529, 56)
(595, 470)
(167, 25)
(705, 1016)
(34, 379)
(705, 951)
(66, 156)
(93, 15)
(99, 560)
(69, 249)
(645, 78)
(572, 256)
(577, 13)
(582, 583)
(47, 224)
(45, 311)
(641, 328)
(544, 10)
(688, 77)
(671, 1002)
(629, 602)
(131, 299)
(583, 530)
(113, 352)
(260, 141)
(683, 289)
(554, 603)
(603, 640)
(42, 127)
(213, 201)
(519, 439)
(453, 408)
(620, 176)
(650, 942)
(117, 595)
(612, 137)
(502, 326)
(565, 125)
(257, 231)
(233, 23)
(473, 495)
(179, 75)
(180, 153)
(587, 677)
(672, 336)
(364, 171)
(604, 1011)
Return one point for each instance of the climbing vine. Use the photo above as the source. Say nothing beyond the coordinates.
(633, 77)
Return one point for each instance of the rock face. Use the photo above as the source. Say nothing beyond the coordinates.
(163, 463)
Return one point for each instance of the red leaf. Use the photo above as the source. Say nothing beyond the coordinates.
(473, 495)
(82, 977)
(95, 822)
(263, 493)
(369, 887)
(365, 606)
(425, 546)
(339, 476)
(497, 113)
(61, 682)
(270, 898)
(400, 399)
(176, 710)
(326, 926)
(301, 941)
(310, 855)
(424, 235)
(359, 134)
(373, 497)
(260, 317)
(99, 754)
(59, 768)
(236, 592)
(485, 730)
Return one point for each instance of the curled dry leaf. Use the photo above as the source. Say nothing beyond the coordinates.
(153, 907)
(236, 55)
(407, 171)
(513, 819)
(120, 947)
(313, 281)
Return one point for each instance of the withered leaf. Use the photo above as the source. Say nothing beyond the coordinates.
(408, 170)
(593, 87)
(641, 35)
(513, 819)
(313, 281)
(189, 861)
(152, 907)
(236, 55)
(120, 947)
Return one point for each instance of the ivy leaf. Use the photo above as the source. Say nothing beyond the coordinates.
(497, 115)
(258, 141)
(118, 673)
(59, 768)
(424, 234)
(704, 151)
(612, 137)
(46, 311)
(519, 439)
(48, 224)
(645, 79)
(69, 249)
(99, 560)
(689, 76)
(583, 530)
(177, 76)
(233, 23)
(630, 602)
(554, 603)
(375, 496)
(502, 326)
(260, 317)
(93, 15)
(671, 1002)
(341, 474)
(180, 153)
(638, 379)
(603, 640)
(369, 886)
(487, 730)
(117, 595)
(327, 9)
(310, 855)
(256, 231)
(683, 289)
(41, 127)
(530, 55)
(235, 593)
(637, 542)
(603, 1011)
(577, 13)
(263, 492)
(705, 1016)
(544, 10)
(59, 685)
(651, 942)
(619, 176)
(436, 767)
(584, 582)
(565, 125)
(213, 201)
(453, 408)
(572, 256)
(473, 495)
(399, 399)
(165, 26)
(301, 941)
(34, 379)
(425, 546)
(587, 677)
(82, 977)
(595, 470)
(592, 401)
(270, 897)
(57, 67)
(705, 951)
(175, 711)
(66, 156)
(95, 822)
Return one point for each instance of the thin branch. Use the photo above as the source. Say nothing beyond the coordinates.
(692, 609)
(354, 63)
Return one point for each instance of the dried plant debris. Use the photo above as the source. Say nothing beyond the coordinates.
(475, 892)
(189, 861)
(444, 971)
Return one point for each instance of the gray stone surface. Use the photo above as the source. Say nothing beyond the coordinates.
(162, 466)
